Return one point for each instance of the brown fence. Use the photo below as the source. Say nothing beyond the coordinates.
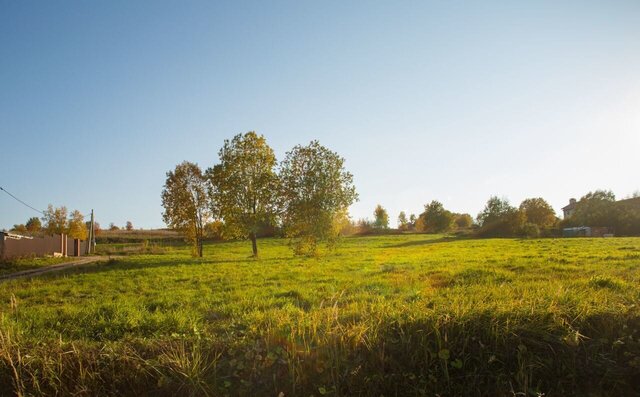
(15, 246)
(75, 247)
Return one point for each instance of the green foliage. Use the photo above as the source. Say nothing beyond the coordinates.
(33, 225)
(214, 230)
(413, 219)
(628, 217)
(244, 186)
(530, 230)
(364, 226)
(604, 281)
(463, 221)
(315, 193)
(385, 315)
(186, 204)
(76, 226)
(494, 211)
(596, 208)
(403, 222)
(55, 220)
(381, 218)
(436, 219)
(538, 212)
(600, 209)
(500, 219)
(19, 229)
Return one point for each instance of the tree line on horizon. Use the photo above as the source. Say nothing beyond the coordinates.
(534, 217)
(55, 220)
(58, 220)
(306, 197)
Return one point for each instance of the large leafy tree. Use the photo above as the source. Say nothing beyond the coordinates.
(55, 220)
(500, 219)
(244, 186)
(596, 208)
(494, 210)
(186, 204)
(316, 192)
(76, 226)
(33, 225)
(628, 219)
(436, 219)
(403, 222)
(381, 218)
(538, 212)
(600, 208)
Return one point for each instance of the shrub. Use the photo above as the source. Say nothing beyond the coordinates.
(530, 230)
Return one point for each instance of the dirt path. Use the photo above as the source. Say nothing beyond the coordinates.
(53, 268)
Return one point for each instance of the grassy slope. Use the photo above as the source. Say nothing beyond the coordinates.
(394, 315)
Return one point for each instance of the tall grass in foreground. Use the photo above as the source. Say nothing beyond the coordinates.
(391, 315)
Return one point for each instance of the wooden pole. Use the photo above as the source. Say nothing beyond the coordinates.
(91, 235)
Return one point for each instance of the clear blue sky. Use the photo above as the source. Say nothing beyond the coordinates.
(444, 100)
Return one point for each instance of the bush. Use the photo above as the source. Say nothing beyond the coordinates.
(530, 230)
(500, 219)
(463, 221)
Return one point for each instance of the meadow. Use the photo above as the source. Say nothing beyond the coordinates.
(382, 315)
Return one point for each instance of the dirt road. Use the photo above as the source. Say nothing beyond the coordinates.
(53, 268)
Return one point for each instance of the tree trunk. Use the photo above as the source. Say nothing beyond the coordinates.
(254, 244)
(200, 247)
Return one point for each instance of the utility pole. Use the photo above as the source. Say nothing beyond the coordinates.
(92, 236)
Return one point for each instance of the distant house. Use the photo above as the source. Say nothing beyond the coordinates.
(568, 210)
(630, 207)
(630, 204)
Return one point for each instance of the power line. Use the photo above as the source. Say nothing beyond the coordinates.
(20, 201)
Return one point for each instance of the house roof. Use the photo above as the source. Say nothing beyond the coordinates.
(630, 202)
(15, 236)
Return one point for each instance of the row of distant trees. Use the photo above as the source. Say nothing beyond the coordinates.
(434, 219)
(55, 220)
(535, 216)
(306, 195)
(128, 226)
(58, 220)
(532, 218)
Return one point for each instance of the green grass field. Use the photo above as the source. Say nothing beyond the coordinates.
(380, 316)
